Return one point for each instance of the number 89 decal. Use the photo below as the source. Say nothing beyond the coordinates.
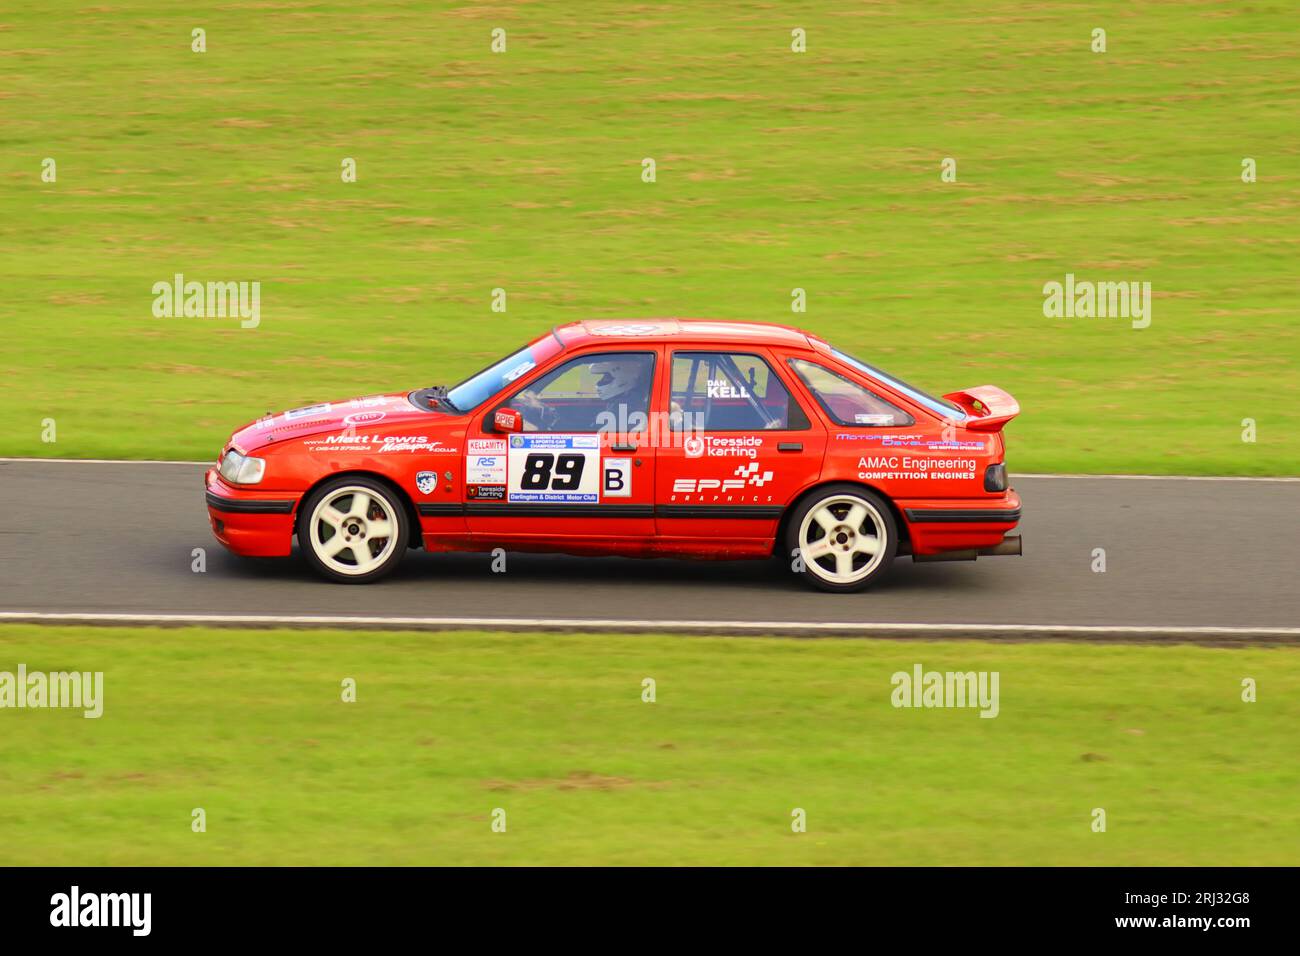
(564, 469)
(544, 471)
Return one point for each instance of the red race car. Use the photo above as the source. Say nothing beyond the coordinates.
(637, 438)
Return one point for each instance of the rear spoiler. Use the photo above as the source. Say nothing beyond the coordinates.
(988, 406)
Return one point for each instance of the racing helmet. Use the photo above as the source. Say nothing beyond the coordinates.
(615, 377)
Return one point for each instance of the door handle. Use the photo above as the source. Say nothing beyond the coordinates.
(623, 446)
(789, 446)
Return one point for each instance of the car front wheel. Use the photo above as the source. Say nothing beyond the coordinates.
(353, 530)
(845, 538)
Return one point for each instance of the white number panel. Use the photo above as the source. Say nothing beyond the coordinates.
(564, 469)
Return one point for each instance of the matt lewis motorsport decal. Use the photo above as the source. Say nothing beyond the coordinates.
(380, 444)
(564, 469)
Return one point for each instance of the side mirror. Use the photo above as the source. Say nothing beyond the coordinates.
(508, 420)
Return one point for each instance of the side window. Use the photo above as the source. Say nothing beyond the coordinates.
(600, 392)
(730, 391)
(846, 402)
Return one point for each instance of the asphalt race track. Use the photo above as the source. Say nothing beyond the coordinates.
(1183, 556)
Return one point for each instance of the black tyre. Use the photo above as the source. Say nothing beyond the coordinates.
(353, 529)
(843, 536)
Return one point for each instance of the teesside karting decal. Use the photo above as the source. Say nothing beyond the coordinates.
(707, 446)
(561, 469)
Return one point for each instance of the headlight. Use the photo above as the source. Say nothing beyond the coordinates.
(241, 469)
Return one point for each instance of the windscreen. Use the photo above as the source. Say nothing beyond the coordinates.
(478, 388)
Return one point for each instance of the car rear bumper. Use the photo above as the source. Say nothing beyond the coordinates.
(255, 524)
(941, 525)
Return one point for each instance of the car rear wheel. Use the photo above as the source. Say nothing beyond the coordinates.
(353, 530)
(845, 537)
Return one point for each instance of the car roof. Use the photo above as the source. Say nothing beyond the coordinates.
(683, 331)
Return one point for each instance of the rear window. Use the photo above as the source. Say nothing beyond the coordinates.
(847, 402)
(940, 406)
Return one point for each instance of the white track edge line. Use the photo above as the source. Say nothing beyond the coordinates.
(612, 624)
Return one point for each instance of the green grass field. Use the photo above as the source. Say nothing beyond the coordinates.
(775, 171)
(551, 728)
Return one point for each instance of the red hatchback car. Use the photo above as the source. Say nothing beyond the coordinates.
(638, 438)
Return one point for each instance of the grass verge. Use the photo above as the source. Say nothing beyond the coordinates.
(551, 728)
(775, 171)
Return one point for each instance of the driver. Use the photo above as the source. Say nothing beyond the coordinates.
(615, 381)
(620, 386)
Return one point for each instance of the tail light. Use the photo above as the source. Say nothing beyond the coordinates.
(995, 477)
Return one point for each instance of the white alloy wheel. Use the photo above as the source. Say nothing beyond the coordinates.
(353, 530)
(842, 539)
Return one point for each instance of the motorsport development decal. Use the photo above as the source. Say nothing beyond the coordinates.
(887, 440)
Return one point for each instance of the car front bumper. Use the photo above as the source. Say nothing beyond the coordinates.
(254, 524)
